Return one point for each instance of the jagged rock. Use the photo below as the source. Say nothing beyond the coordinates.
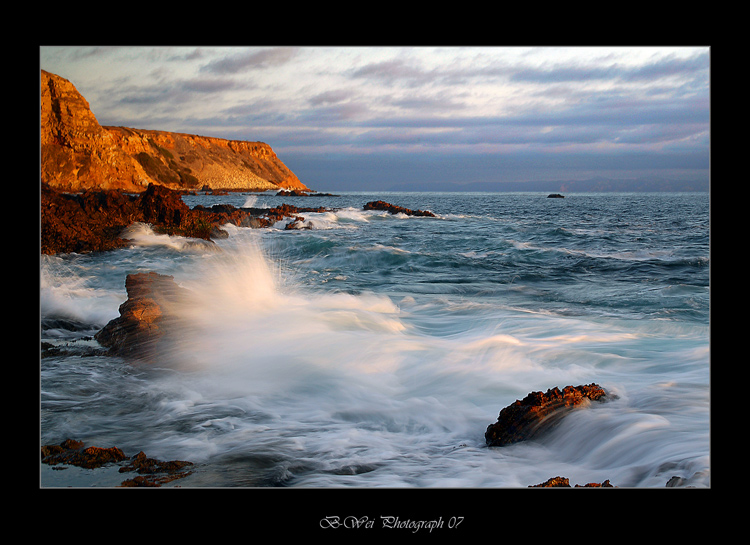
(144, 317)
(393, 209)
(525, 419)
(564, 482)
(74, 453)
(94, 220)
(297, 223)
(555, 196)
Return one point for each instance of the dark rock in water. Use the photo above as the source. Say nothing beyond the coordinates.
(302, 193)
(217, 233)
(94, 220)
(144, 317)
(564, 482)
(154, 472)
(525, 419)
(393, 209)
(49, 350)
(555, 196)
(297, 224)
(75, 453)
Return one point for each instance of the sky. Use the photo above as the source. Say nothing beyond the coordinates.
(373, 118)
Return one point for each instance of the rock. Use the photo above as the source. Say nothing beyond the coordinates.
(145, 316)
(555, 196)
(292, 193)
(71, 452)
(95, 220)
(564, 482)
(393, 209)
(298, 223)
(154, 472)
(83, 223)
(302, 193)
(74, 453)
(538, 411)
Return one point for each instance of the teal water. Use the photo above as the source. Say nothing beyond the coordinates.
(373, 350)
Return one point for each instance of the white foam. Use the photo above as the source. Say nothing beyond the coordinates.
(142, 234)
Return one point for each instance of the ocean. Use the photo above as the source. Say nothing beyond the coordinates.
(372, 350)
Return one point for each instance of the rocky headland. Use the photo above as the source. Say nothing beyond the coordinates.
(78, 154)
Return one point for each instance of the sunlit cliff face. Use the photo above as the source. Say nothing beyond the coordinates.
(78, 153)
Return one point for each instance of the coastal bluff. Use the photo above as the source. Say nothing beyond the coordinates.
(78, 154)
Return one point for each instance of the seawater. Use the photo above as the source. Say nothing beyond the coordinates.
(373, 350)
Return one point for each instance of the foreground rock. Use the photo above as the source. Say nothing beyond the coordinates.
(393, 209)
(145, 317)
(537, 412)
(152, 472)
(564, 482)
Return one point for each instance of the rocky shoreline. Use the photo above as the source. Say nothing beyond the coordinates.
(151, 472)
(94, 221)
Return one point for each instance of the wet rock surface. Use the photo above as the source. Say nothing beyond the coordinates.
(564, 482)
(537, 412)
(97, 220)
(94, 221)
(394, 209)
(144, 317)
(151, 472)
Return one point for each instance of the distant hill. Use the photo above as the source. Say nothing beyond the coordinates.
(595, 185)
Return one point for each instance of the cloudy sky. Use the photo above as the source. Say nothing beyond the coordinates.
(376, 117)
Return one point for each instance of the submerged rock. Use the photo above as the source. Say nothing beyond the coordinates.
(525, 419)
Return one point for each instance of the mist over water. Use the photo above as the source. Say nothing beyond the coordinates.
(373, 350)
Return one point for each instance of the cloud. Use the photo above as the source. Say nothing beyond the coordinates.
(393, 70)
(332, 97)
(250, 60)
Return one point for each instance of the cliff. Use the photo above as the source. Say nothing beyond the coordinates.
(77, 153)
